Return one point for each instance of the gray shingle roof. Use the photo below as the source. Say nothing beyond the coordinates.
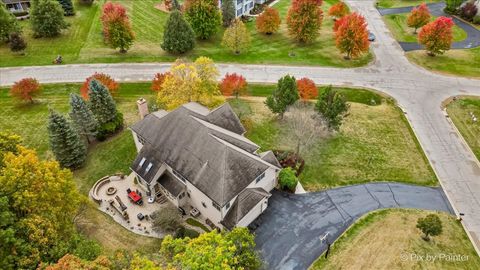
(270, 157)
(245, 201)
(217, 161)
(169, 182)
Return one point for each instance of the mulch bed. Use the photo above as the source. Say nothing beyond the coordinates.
(290, 159)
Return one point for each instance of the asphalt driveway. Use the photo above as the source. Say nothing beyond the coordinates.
(473, 34)
(289, 231)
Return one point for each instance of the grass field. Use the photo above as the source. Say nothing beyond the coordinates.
(459, 111)
(83, 42)
(388, 239)
(453, 62)
(402, 3)
(397, 23)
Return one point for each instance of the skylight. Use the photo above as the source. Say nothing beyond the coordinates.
(142, 161)
(148, 167)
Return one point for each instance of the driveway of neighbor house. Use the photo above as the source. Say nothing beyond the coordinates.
(289, 231)
(473, 34)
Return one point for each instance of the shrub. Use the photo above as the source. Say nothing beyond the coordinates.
(430, 225)
(338, 10)
(178, 36)
(183, 232)
(104, 79)
(110, 128)
(452, 6)
(8, 23)
(236, 37)
(158, 81)
(17, 43)
(269, 21)
(307, 89)
(287, 179)
(167, 219)
(351, 35)
(476, 19)
(304, 20)
(67, 6)
(468, 11)
(25, 89)
(204, 17)
(233, 85)
(47, 18)
(437, 36)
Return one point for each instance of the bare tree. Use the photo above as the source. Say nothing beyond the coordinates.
(304, 125)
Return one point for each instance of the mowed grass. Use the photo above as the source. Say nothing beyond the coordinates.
(454, 62)
(389, 239)
(459, 111)
(375, 143)
(87, 46)
(397, 23)
(402, 3)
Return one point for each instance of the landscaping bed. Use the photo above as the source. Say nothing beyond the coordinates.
(402, 3)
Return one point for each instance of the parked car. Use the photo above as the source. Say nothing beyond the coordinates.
(371, 36)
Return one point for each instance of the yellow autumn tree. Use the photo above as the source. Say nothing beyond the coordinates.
(189, 82)
(236, 37)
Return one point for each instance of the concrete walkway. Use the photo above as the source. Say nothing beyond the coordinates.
(419, 92)
(288, 236)
(436, 9)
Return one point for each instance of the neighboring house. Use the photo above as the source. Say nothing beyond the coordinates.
(17, 5)
(243, 7)
(200, 159)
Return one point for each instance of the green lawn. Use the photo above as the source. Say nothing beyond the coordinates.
(388, 239)
(397, 23)
(402, 3)
(83, 42)
(454, 62)
(459, 111)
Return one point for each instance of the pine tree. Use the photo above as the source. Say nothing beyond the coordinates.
(67, 7)
(65, 142)
(284, 95)
(228, 12)
(102, 104)
(8, 23)
(47, 18)
(178, 36)
(82, 116)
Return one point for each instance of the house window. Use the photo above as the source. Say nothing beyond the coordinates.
(188, 194)
(204, 205)
(239, 11)
(251, 5)
(239, 2)
(260, 177)
(141, 140)
(228, 205)
(216, 205)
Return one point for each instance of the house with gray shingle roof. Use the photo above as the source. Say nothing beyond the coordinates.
(200, 158)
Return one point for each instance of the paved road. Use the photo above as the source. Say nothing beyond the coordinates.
(418, 91)
(289, 245)
(473, 34)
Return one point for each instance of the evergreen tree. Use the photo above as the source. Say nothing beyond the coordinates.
(17, 42)
(228, 12)
(8, 23)
(178, 36)
(284, 95)
(82, 116)
(102, 104)
(65, 142)
(176, 5)
(47, 18)
(67, 7)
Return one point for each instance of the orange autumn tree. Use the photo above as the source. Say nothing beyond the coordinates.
(437, 36)
(269, 21)
(158, 81)
(418, 17)
(351, 35)
(104, 79)
(304, 20)
(25, 89)
(307, 89)
(338, 10)
(233, 85)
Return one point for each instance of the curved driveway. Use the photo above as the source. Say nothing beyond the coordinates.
(473, 34)
(289, 231)
(419, 92)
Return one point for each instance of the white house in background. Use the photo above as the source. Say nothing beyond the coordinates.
(17, 5)
(200, 159)
(243, 7)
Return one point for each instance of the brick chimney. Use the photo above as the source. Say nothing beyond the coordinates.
(142, 107)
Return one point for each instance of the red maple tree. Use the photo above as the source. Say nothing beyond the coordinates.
(304, 20)
(338, 10)
(351, 35)
(437, 36)
(104, 79)
(233, 85)
(418, 17)
(25, 89)
(112, 12)
(307, 89)
(269, 21)
(158, 81)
